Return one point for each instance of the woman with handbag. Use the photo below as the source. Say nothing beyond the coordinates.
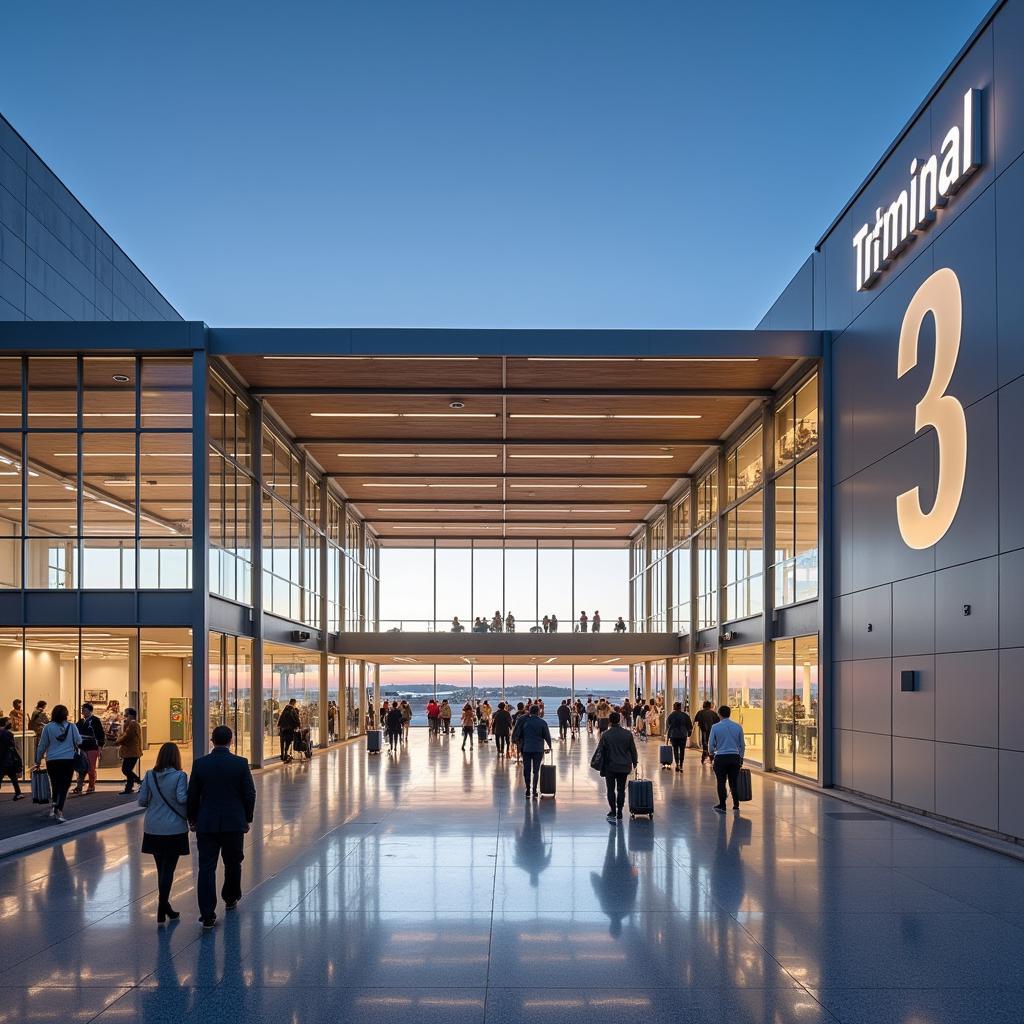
(165, 831)
(60, 742)
(10, 759)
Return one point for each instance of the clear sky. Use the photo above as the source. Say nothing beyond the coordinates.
(438, 163)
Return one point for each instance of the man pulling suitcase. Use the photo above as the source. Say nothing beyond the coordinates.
(531, 737)
(615, 757)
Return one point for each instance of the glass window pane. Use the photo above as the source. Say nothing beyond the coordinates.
(745, 679)
(10, 392)
(52, 484)
(108, 484)
(108, 563)
(53, 391)
(166, 392)
(806, 530)
(453, 587)
(555, 585)
(108, 392)
(165, 485)
(521, 587)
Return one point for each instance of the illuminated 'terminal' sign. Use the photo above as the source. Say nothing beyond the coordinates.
(932, 182)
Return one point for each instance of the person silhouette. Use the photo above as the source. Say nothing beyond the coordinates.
(533, 854)
(616, 886)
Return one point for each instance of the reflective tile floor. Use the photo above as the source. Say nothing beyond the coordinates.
(426, 888)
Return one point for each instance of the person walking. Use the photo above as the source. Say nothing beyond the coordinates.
(332, 719)
(532, 736)
(10, 760)
(393, 726)
(595, 622)
(501, 726)
(17, 716)
(575, 718)
(546, 623)
(220, 804)
(617, 756)
(288, 723)
(582, 625)
(554, 623)
(38, 719)
(640, 721)
(626, 711)
(468, 725)
(727, 746)
(678, 728)
(706, 718)
(510, 623)
(486, 714)
(129, 749)
(94, 736)
(433, 716)
(446, 717)
(564, 717)
(602, 712)
(164, 792)
(59, 742)
(406, 708)
(591, 709)
(654, 716)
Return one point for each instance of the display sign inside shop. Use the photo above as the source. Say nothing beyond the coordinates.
(932, 183)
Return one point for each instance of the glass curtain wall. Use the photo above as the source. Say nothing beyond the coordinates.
(795, 564)
(681, 575)
(637, 583)
(796, 703)
(96, 472)
(231, 688)
(289, 672)
(745, 695)
(428, 588)
(657, 619)
(706, 540)
(231, 489)
(149, 670)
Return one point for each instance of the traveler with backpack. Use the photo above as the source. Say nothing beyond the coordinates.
(59, 744)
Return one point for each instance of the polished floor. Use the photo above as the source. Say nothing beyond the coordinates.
(424, 887)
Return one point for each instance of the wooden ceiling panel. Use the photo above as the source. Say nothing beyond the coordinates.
(369, 372)
(637, 373)
(601, 420)
(404, 417)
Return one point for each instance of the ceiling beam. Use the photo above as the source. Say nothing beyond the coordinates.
(424, 474)
(326, 390)
(497, 442)
(472, 505)
(536, 523)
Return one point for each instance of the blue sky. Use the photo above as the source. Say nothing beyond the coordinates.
(436, 163)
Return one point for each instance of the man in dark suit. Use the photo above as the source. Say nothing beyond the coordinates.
(221, 801)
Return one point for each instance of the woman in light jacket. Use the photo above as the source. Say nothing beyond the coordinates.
(165, 831)
(59, 741)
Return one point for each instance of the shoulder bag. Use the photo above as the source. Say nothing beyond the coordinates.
(160, 793)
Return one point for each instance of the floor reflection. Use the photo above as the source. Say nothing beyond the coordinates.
(427, 885)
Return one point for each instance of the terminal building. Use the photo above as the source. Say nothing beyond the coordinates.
(815, 519)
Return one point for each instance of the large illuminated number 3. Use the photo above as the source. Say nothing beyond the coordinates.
(940, 296)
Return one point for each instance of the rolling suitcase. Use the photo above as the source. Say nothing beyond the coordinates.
(481, 731)
(665, 755)
(548, 780)
(373, 741)
(40, 787)
(640, 794)
(744, 788)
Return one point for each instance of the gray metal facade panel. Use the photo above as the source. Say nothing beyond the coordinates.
(974, 532)
(913, 772)
(913, 616)
(1009, 255)
(1008, 71)
(71, 269)
(913, 713)
(1011, 701)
